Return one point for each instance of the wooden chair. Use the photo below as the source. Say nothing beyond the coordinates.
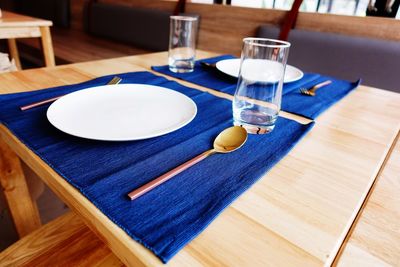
(66, 241)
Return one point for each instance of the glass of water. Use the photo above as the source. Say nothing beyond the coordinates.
(258, 95)
(182, 43)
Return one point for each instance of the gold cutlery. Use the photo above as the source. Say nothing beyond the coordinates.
(227, 141)
(114, 80)
(208, 65)
(311, 91)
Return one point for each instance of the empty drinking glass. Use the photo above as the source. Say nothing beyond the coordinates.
(182, 42)
(258, 94)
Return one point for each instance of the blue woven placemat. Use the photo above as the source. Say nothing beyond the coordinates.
(292, 100)
(167, 218)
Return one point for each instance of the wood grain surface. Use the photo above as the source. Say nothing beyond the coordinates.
(47, 46)
(11, 19)
(298, 214)
(13, 49)
(19, 32)
(375, 240)
(65, 241)
(23, 209)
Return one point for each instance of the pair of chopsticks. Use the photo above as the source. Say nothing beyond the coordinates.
(114, 80)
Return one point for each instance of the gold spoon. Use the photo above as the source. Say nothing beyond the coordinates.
(227, 141)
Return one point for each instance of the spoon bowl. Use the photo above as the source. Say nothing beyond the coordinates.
(230, 139)
(227, 141)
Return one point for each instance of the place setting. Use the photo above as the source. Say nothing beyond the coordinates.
(133, 142)
(106, 172)
(130, 142)
(223, 73)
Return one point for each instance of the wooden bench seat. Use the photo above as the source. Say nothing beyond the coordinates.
(66, 241)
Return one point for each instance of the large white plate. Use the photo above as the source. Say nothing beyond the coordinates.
(121, 112)
(231, 67)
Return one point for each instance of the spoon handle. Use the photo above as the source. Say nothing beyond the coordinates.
(165, 177)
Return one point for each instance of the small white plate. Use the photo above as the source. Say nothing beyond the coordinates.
(122, 112)
(232, 66)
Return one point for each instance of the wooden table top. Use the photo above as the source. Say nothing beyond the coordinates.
(299, 214)
(10, 19)
(14, 25)
(375, 238)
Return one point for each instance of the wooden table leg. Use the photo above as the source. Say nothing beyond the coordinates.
(47, 46)
(23, 210)
(12, 46)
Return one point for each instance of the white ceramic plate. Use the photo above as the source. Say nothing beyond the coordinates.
(121, 112)
(231, 67)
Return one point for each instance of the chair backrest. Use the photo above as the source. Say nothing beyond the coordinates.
(377, 62)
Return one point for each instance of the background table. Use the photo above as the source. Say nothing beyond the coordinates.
(301, 213)
(14, 26)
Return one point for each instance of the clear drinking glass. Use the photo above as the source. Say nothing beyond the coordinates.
(182, 43)
(258, 94)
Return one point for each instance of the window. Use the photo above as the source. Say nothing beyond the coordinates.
(343, 7)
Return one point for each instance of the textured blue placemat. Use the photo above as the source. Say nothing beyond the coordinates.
(167, 218)
(292, 100)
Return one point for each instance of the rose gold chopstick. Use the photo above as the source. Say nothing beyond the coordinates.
(115, 80)
(165, 177)
(36, 104)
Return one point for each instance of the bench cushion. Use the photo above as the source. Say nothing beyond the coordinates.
(142, 27)
(57, 11)
(377, 62)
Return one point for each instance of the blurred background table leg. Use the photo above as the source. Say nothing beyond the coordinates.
(12, 46)
(47, 46)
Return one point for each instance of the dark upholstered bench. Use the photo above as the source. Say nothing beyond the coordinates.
(57, 11)
(141, 27)
(377, 62)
